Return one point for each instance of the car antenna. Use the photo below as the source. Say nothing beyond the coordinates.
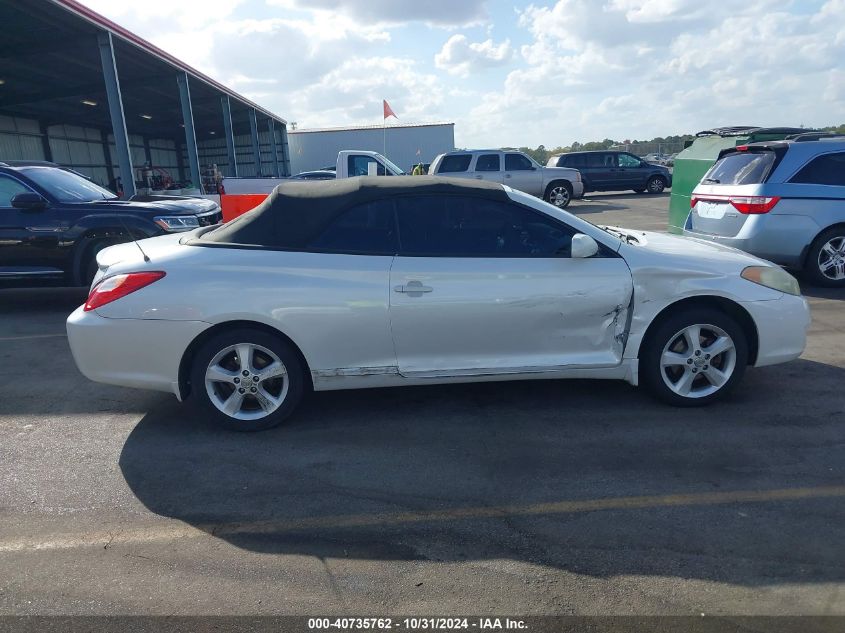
(132, 237)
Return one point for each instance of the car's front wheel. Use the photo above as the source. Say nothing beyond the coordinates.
(825, 265)
(559, 194)
(247, 379)
(693, 357)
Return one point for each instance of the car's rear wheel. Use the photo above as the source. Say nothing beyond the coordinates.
(559, 194)
(694, 357)
(655, 184)
(247, 379)
(825, 265)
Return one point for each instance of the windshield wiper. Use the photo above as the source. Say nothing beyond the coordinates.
(629, 239)
(713, 180)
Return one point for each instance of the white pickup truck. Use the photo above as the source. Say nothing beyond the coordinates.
(350, 162)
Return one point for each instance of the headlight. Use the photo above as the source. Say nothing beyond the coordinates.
(175, 223)
(772, 277)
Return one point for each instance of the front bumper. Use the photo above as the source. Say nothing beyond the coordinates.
(578, 189)
(140, 353)
(782, 326)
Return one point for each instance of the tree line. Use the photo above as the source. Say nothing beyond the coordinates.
(664, 144)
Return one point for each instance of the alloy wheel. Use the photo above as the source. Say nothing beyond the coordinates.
(656, 185)
(559, 196)
(246, 381)
(698, 361)
(831, 260)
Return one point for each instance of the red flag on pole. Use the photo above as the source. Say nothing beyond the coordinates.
(388, 111)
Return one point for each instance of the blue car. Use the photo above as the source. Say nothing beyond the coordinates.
(615, 171)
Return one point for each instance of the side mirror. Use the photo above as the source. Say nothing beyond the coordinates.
(583, 246)
(29, 201)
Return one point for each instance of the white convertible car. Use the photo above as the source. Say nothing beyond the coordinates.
(373, 282)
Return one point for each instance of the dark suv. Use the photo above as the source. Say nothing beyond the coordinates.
(615, 171)
(53, 222)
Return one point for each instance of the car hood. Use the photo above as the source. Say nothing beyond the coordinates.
(690, 251)
(153, 206)
(559, 170)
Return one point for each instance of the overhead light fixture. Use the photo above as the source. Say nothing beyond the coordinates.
(2, 81)
(146, 116)
(88, 102)
(212, 132)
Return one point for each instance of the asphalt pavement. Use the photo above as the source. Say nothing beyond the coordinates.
(546, 497)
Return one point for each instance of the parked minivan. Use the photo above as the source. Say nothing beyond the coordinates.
(615, 171)
(780, 200)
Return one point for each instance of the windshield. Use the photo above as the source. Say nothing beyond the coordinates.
(742, 168)
(392, 167)
(66, 186)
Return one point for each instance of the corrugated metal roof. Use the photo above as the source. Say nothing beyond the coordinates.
(92, 16)
(367, 127)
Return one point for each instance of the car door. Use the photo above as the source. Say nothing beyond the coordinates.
(29, 239)
(632, 172)
(520, 173)
(483, 286)
(488, 167)
(603, 170)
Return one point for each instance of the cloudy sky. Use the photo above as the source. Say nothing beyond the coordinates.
(516, 73)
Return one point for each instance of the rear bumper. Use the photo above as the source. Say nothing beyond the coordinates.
(782, 239)
(140, 353)
(782, 326)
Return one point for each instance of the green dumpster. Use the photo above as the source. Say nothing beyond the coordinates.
(694, 161)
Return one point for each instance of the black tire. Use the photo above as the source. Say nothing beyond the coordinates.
(559, 194)
(655, 184)
(817, 256)
(701, 374)
(290, 396)
(88, 265)
(639, 190)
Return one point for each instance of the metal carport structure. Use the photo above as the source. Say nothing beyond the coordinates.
(64, 66)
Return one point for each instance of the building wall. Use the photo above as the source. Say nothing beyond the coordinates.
(405, 145)
(89, 150)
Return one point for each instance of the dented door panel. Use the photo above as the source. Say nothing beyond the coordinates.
(485, 316)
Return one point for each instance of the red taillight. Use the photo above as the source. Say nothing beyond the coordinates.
(113, 288)
(741, 148)
(753, 204)
(743, 204)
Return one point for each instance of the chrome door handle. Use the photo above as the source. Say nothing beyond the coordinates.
(479, 176)
(413, 288)
(507, 175)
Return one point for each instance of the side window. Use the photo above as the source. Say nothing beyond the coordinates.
(610, 160)
(576, 161)
(454, 163)
(458, 226)
(517, 162)
(823, 170)
(9, 188)
(367, 228)
(487, 162)
(358, 165)
(626, 160)
(594, 160)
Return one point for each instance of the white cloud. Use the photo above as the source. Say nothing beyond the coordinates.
(461, 57)
(435, 12)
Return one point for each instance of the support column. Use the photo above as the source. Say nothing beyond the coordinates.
(256, 148)
(118, 121)
(190, 134)
(230, 138)
(274, 150)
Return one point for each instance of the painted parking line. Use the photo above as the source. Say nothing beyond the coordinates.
(26, 337)
(174, 530)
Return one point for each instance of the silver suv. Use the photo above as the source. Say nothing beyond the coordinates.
(780, 200)
(556, 185)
